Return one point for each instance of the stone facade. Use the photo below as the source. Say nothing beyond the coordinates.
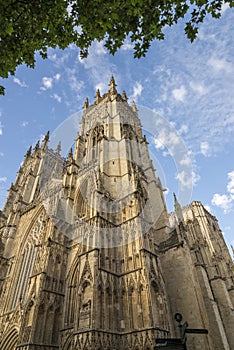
(91, 259)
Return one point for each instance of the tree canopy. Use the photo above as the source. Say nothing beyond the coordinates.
(28, 26)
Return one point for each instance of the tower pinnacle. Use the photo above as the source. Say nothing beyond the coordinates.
(29, 151)
(45, 141)
(70, 156)
(134, 108)
(58, 149)
(36, 146)
(112, 85)
(97, 96)
(86, 103)
(124, 96)
(178, 209)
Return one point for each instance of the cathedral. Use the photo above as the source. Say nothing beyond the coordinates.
(90, 258)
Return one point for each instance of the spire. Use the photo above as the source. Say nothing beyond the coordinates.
(37, 145)
(70, 156)
(45, 141)
(124, 96)
(112, 85)
(28, 153)
(97, 96)
(58, 149)
(134, 108)
(178, 210)
(47, 136)
(86, 103)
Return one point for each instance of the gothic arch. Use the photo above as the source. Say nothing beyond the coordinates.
(97, 133)
(27, 252)
(68, 343)
(77, 283)
(84, 194)
(72, 283)
(10, 339)
(35, 218)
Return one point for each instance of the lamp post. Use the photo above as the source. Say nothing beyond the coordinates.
(178, 343)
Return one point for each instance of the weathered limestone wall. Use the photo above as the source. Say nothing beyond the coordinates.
(184, 294)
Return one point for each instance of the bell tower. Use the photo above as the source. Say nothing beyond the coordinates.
(116, 284)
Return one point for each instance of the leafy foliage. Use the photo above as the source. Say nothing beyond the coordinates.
(27, 26)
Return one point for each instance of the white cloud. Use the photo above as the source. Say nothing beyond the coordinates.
(225, 201)
(98, 65)
(198, 88)
(209, 100)
(59, 57)
(207, 207)
(1, 127)
(127, 45)
(187, 179)
(52, 56)
(3, 179)
(185, 161)
(47, 83)
(57, 76)
(220, 64)
(75, 84)
(179, 94)
(1, 154)
(97, 49)
(101, 86)
(24, 123)
(230, 185)
(225, 6)
(205, 149)
(183, 129)
(57, 97)
(100, 48)
(222, 201)
(19, 82)
(137, 90)
(167, 138)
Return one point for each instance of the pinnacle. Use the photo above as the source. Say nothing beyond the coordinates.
(124, 96)
(112, 80)
(112, 85)
(98, 96)
(45, 141)
(134, 108)
(58, 149)
(86, 103)
(37, 146)
(29, 151)
(70, 155)
(46, 138)
(112, 94)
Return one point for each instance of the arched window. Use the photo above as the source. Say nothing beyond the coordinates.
(24, 268)
(10, 340)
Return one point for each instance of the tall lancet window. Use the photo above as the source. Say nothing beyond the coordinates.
(25, 263)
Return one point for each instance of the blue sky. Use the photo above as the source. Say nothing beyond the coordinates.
(191, 87)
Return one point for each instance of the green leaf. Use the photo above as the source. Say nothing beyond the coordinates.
(2, 90)
(31, 26)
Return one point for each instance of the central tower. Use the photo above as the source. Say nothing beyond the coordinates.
(115, 285)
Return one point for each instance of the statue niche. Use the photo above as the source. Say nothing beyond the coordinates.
(85, 305)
